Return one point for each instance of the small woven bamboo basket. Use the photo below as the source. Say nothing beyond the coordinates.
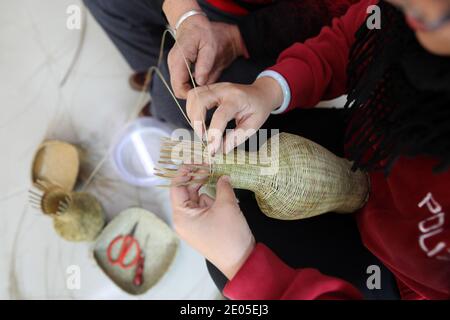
(294, 178)
(77, 216)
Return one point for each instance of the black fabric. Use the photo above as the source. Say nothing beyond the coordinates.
(330, 243)
(270, 30)
(399, 97)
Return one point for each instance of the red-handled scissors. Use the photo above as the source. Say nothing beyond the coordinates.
(124, 245)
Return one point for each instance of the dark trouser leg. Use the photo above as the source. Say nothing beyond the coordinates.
(330, 243)
(134, 26)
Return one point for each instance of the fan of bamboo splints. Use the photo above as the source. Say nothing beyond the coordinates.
(200, 172)
(195, 155)
(48, 198)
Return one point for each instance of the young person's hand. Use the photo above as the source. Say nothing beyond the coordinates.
(216, 228)
(248, 105)
(208, 46)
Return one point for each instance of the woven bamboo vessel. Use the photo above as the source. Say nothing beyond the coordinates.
(301, 180)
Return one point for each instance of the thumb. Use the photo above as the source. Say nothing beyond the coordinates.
(224, 191)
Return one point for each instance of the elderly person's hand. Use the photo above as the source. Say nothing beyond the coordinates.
(209, 46)
(216, 228)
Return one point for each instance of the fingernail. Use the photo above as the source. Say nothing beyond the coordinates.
(211, 151)
(211, 146)
(226, 179)
(200, 80)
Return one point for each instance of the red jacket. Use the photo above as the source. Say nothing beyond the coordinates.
(406, 222)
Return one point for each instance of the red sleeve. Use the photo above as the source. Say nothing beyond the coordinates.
(265, 277)
(317, 69)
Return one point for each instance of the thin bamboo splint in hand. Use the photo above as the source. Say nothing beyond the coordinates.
(294, 178)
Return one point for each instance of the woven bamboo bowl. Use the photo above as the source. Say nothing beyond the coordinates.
(56, 162)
